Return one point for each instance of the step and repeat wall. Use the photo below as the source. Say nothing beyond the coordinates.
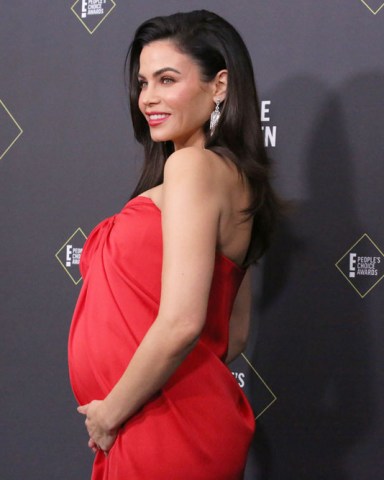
(313, 367)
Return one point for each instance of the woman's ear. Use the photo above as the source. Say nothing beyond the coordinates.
(220, 84)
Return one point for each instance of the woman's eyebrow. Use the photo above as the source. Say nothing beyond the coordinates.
(161, 71)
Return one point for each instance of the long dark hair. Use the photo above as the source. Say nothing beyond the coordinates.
(214, 45)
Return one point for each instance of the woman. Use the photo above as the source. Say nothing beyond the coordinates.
(166, 296)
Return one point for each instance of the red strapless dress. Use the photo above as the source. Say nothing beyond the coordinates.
(199, 427)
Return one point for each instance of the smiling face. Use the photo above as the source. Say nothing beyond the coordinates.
(173, 98)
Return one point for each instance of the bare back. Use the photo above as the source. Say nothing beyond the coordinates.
(233, 191)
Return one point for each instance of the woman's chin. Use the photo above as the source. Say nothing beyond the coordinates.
(156, 137)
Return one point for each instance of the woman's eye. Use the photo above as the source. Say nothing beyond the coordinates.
(167, 80)
(142, 84)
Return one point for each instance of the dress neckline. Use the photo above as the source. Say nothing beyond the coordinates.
(218, 252)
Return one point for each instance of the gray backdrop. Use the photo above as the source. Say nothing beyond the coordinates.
(313, 368)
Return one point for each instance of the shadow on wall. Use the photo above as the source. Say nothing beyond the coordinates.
(314, 345)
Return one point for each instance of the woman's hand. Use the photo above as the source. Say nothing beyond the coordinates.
(100, 436)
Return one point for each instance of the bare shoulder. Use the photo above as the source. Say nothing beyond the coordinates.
(189, 158)
(196, 166)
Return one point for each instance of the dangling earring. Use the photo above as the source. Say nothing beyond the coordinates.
(215, 115)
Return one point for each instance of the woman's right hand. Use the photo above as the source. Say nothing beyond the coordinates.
(100, 438)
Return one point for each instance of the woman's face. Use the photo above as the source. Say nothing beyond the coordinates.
(173, 98)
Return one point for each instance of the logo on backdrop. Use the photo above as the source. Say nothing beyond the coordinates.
(69, 255)
(270, 132)
(374, 6)
(10, 130)
(240, 377)
(362, 265)
(259, 394)
(92, 13)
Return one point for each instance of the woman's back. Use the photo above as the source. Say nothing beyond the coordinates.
(232, 195)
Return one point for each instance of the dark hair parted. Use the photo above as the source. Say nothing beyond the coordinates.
(214, 45)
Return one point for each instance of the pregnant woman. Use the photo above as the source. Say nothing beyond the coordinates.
(165, 302)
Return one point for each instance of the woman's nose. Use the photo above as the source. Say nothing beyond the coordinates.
(149, 95)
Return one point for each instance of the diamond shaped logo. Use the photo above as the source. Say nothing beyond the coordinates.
(260, 396)
(92, 13)
(374, 6)
(362, 265)
(70, 253)
(10, 130)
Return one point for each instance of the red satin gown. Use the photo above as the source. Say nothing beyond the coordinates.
(199, 427)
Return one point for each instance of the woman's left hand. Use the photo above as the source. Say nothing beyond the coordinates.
(100, 437)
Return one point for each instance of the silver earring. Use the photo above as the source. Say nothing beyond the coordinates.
(215, 115)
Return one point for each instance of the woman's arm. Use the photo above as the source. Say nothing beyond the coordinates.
(190, 219)
(240, 319)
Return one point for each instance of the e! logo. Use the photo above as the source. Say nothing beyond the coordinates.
(70, 253)
(352, 265)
